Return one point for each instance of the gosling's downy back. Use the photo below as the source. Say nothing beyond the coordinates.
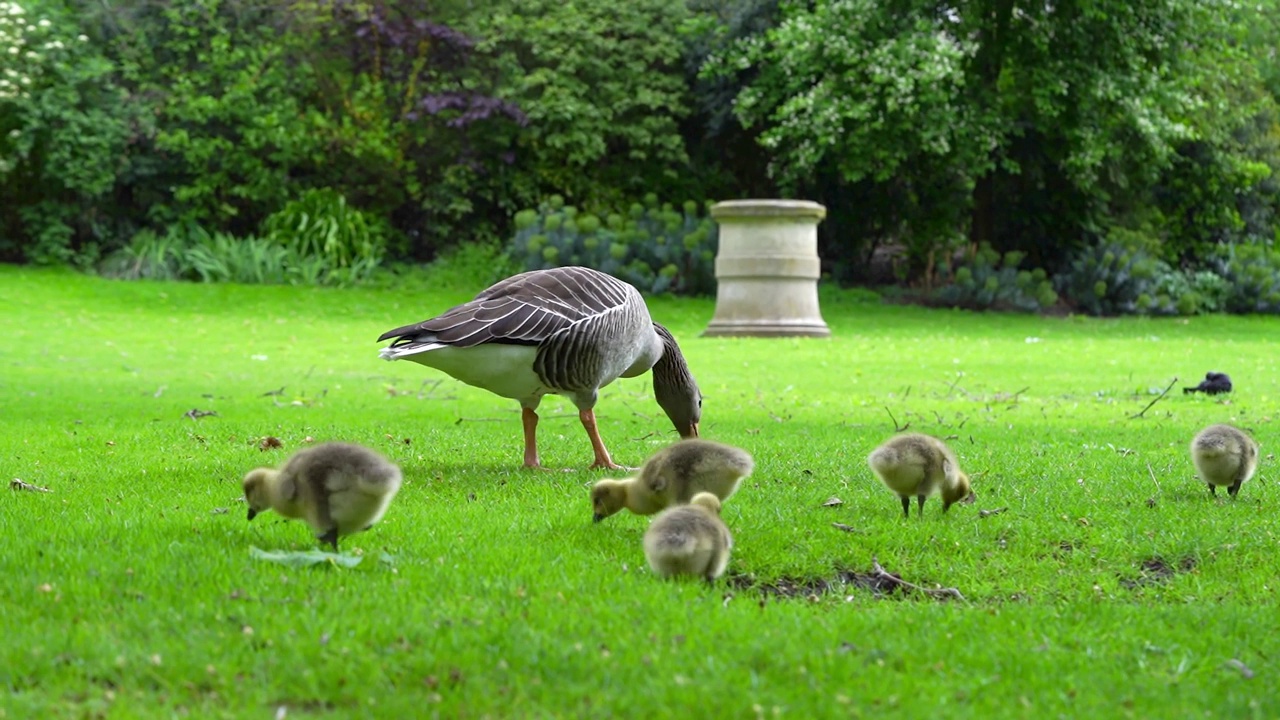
(338, 488)
(1224, 455)
(688, 467)
(673, 475)
(919, 465)
(689, 540)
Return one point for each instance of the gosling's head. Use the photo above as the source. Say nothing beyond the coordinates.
(256, 492)
(954, 494)
(706, 500)
(607, 498)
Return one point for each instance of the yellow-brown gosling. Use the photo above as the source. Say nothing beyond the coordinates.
(338, 488)
(689, 540)
(672, 476)
(919, 465)
(1224, 455)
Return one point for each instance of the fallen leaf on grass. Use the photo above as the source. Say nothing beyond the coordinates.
(305, 558)
(989, 513)
(269, 442)
(197, 413)
(16, 484)
(832, 502)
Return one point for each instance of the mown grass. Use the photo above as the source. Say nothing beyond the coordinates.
(129, 590)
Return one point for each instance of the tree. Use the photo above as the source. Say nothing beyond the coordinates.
(1021, 124)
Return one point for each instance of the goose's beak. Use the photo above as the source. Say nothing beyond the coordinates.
(252, 513)
(692, 432)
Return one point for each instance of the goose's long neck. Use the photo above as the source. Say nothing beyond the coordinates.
(674, 386)
(671, 370)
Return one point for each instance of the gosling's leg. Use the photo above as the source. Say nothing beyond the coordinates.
(529, 419)
(906, 506)
(588, 418)
(331, 537)
(920, 505)
(1212, 490)
(1235, 488)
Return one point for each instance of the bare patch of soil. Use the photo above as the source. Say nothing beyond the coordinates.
(1156, 570)
(878, 581)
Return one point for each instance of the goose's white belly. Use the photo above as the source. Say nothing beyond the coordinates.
(505, 370)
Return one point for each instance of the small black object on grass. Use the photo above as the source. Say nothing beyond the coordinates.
(1214, 383)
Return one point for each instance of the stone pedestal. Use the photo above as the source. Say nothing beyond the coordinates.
(767, 269)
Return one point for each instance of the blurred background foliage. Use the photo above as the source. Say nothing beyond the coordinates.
(1102, 156)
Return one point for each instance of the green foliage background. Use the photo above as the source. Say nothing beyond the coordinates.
(1058, 132)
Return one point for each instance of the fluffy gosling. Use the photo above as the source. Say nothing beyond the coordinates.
(338, 488)
(672, 476)
(1224, 455)
(919, 465)
(689, 540)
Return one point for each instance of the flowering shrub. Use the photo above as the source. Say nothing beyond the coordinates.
(62, 132)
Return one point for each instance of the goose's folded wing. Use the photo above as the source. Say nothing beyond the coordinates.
(524, 309)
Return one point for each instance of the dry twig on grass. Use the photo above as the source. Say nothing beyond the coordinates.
(896, 426)
(845, 528)
(879, 571)
(1153, 402)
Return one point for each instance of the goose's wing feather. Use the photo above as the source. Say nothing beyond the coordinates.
(523, 309)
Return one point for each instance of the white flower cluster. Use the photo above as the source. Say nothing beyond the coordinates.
(23, 45)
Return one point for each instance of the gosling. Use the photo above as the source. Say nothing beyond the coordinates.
(919, 465)
(689, 540)
(672, 476)
(1224, 455)
(338, 488)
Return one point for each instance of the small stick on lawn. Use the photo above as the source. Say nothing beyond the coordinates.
(846, 528)
(883, 574)
(1153, 402)
(896, 427)
(989, 513)
(1153, 477)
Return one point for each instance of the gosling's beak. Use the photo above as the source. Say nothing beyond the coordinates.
(252, 513)
(597, 517)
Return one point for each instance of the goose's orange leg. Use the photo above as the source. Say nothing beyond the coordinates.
(529, 419)
(588, 418)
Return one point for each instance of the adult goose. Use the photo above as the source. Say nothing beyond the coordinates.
(568, 331)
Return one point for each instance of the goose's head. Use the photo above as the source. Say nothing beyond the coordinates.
(257, 491)
(607, 498)
(674, 387)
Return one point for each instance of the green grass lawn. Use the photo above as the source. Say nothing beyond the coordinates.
(1113, 585)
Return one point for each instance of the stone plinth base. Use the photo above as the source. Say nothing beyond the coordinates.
(767, 269)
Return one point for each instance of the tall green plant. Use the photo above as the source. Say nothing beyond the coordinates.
(229, 131)
(408, 112)
(602, 87)
(64, 126)
(347, 243)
